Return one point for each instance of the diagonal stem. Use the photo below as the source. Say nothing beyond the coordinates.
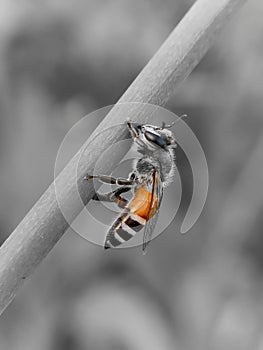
(44, 225)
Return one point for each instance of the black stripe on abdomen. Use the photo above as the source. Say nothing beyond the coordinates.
(124, 234)
(123, 229)
(133, 224)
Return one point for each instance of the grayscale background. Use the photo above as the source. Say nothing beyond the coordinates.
(60, 60)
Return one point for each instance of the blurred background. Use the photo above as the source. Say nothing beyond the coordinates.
(203, 290)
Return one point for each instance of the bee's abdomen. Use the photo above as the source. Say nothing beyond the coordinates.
(143, 205)
(123, 229)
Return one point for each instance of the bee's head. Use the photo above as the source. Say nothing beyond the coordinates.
(152, 137)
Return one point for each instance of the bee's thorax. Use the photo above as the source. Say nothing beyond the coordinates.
(163, 160)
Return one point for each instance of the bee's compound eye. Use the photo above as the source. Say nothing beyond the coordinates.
(151, 137)
(160, 140)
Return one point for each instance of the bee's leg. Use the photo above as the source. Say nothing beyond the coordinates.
(135, 134)
(111, 180)
(114, 196)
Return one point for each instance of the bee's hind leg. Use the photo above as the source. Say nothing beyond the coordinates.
(114, 196)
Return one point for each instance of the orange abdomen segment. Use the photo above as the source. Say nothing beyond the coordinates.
(140, 205)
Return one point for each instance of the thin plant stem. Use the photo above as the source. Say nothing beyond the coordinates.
(44, 225)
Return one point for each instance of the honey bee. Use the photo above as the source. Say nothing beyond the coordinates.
(151, 173)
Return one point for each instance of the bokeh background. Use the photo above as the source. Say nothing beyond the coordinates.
(203, 290)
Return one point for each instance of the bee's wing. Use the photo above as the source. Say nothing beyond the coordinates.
(156, 191)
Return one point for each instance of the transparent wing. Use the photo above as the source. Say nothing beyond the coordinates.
(148, 231)
(156, 192)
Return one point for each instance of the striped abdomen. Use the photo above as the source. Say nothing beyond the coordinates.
(141, 208)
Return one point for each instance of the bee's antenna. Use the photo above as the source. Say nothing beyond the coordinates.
(169, 126)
